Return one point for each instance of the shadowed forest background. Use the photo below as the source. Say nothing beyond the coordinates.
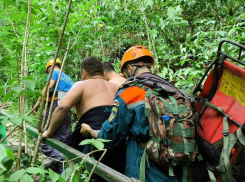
(183, 36)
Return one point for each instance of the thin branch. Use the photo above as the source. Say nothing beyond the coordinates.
(56, 85)
(84, 159)
(42, 106)
(11, 23)
(22, 99)
(56, 18)
(149, 39)
(9, 133)
(75, 41)
(102, 47)
(92, 171)
(50, 74)
(146, 24)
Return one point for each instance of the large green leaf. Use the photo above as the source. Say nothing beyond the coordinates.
(17, 121)
(7, 96)
(3, 117)
(87, 141)
(4, 120)
(66, 173)
(10, 154)
(1, 91)
(75, 177)
(17, 175)
(16, 89)
(26, 178)
(1, 178)
(29, 84)
(103, 140)
(27, 118)
(99, 145)
(34, 170)
(62, 179)
(12, 81)
(53, 175)
(3, 152)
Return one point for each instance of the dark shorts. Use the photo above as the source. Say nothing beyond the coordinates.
(95, 117)
(60, 134)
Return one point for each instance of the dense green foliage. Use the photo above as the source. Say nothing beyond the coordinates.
(183, 35)
(37, 171)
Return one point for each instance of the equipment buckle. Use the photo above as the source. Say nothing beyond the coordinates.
(177, 117)
(225, 132)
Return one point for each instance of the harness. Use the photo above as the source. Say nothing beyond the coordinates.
(138, 65)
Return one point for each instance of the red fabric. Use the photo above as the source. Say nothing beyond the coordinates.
(211, 121)
(132, 95)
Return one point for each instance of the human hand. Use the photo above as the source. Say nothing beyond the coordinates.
(34, 111)
(45, 135)
(35, 107)
(85, 130)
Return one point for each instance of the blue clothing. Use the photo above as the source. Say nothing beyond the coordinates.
(65, 82)
(63, 131)
(127, 119)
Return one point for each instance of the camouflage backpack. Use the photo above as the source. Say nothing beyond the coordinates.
(172, 127)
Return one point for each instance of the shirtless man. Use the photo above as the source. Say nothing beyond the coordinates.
(92, 99)
(84, 95)
(111, 76)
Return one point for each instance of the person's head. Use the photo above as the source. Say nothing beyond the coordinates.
(136, 60)
(91, 67)
(108, 69)
(51, 62)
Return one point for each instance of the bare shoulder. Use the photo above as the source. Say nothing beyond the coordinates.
(78, 84)
(77, 87)
(113, 86)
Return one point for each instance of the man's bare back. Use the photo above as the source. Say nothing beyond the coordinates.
(85, 95)
(118, 80)
(94, 91)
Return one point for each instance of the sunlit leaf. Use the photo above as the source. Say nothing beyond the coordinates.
(75, 177)
(7, 96)
(16, 89)
(103, 140)
(1, 91)
(10, 154)
(53, 175)
(2, 152)
(29, 84)
(17, 175)
(87, 141)
(99, 145)
(27, 118)
(26, 178)
(16, 121)
(34, 170)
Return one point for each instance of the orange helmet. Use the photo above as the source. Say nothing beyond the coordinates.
(51, 62)
(136, 52)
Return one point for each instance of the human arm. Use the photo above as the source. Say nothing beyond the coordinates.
(71, 99)
(36, 106)
(87, 131)
(116, 127)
